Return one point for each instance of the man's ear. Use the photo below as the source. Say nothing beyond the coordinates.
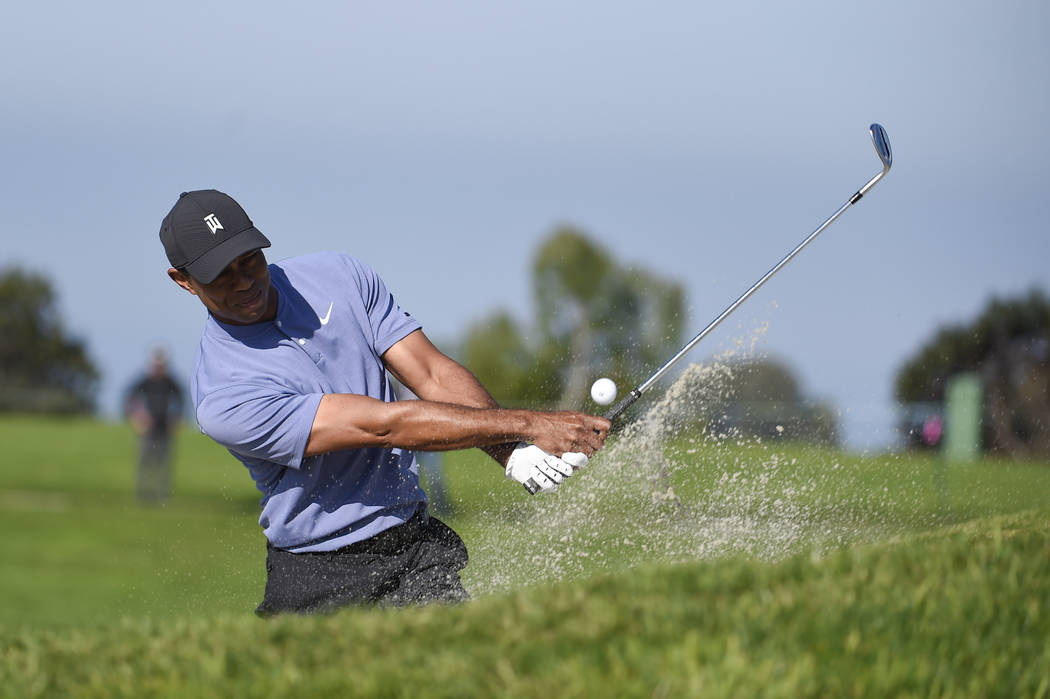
(181, 279)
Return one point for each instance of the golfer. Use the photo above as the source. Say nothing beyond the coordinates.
(291, 376)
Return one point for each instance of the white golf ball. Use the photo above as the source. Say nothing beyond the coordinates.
(603, 391)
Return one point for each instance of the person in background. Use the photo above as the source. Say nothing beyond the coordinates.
(154, 406)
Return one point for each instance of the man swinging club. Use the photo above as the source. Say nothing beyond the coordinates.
(291, 377)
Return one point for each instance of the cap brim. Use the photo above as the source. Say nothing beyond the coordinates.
(210, 265)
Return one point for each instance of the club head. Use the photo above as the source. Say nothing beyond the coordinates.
(882, 146)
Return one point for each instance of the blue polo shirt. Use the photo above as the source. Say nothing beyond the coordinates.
(256, 389)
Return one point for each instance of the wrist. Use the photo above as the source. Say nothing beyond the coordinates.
(501, 452)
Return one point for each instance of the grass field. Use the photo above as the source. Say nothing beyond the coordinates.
(714, 569)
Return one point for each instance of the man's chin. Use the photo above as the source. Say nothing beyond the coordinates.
(241, 316)
(254, 312)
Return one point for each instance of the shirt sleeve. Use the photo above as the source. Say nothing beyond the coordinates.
(259, 421)
(388, 321)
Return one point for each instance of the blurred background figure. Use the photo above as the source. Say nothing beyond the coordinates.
(154, 405)
(932, 430)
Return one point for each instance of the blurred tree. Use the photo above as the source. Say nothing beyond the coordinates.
(598, 318)
(765, 380)
(1008, 346)
(594, 318)
(499, 355)
(42, 370)
(763, 398)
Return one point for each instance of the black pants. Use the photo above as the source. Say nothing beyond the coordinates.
(414, 563)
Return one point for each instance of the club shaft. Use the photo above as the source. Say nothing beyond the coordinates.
(629, 400)
(744, 297)
(634, 395)
(885, 153)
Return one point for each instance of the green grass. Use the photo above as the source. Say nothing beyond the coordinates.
(76, 455)
(81, 549)
(105, 557)
(774, 569)
(964, 611)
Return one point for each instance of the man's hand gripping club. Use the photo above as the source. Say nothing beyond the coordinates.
(575, 435)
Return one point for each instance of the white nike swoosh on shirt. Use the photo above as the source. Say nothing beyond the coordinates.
(326, 316)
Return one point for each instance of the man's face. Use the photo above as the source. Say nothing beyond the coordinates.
(240, 295)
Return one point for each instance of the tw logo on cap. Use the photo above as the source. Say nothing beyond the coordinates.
(213, 223)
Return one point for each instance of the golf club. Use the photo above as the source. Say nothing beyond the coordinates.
(882, 147)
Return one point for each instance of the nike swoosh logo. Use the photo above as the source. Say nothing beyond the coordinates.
(326, 316)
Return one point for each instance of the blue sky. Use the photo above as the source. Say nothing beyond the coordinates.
(442, 142)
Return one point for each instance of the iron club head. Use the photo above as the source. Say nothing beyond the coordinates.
(882, 146)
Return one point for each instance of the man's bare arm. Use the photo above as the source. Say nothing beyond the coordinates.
(348, 421)
(432, 375)
(455, 412)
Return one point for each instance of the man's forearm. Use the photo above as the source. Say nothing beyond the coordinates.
(346, 421)
(433, 376)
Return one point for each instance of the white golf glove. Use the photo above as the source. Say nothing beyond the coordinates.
(536, 469)
(576, 459)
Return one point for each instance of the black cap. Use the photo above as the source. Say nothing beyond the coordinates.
(207, 230)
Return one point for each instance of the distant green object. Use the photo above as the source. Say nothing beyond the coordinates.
(962, 405)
